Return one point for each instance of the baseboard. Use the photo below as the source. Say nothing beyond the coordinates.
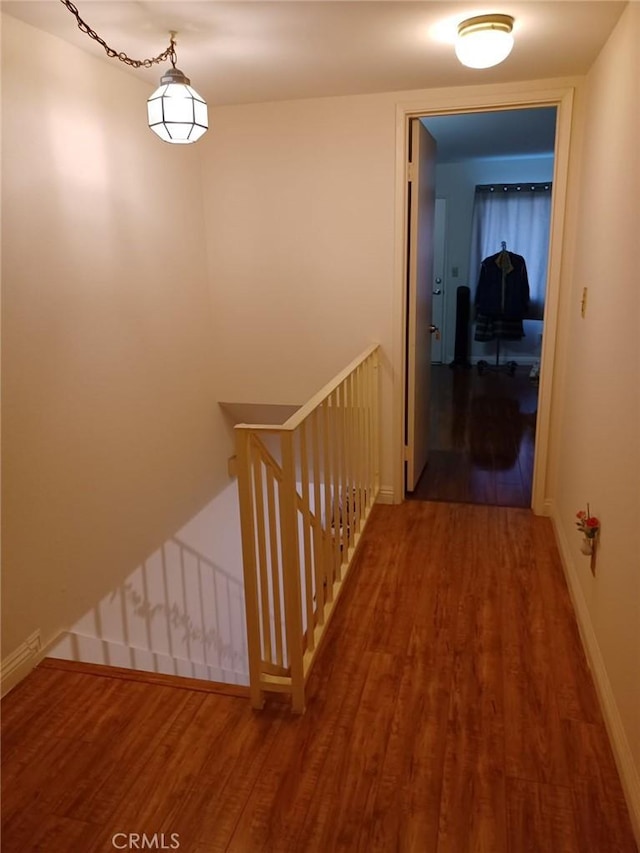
(20, 662)
(386, 495)
(176, 681)
(73, 646)
(527, 360)
(629, 774)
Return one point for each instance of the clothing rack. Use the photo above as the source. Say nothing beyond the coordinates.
(509, 366)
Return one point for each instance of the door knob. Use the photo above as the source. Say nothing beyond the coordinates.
(438, 280)
(435, 331)
(437, 292)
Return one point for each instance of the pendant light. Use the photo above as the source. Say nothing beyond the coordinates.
(484, 41)
(175, 111)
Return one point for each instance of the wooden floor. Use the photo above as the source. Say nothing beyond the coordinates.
(451, 710)
(482, 437)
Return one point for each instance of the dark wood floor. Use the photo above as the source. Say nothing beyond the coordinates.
(481, 437)
(451, 710)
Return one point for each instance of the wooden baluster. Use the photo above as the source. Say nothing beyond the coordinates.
(351, 461)
(356, 453)
(335, 482)
(291, 570)
(347, 499)
(276, 584)
(363, 432)
(328, 501)
(265, 609)
(357, 450)
(341, 519)
(318, 551)
(306, 536)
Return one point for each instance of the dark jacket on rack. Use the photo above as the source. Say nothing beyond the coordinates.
(503, 287)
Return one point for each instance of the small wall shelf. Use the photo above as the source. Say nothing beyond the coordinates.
(258, 413)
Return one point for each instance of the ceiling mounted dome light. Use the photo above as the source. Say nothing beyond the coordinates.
(485, 40)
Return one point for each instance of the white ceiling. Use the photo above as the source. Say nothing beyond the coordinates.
(496, 135)
(243, 52)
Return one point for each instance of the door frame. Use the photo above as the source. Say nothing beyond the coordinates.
(442, 103)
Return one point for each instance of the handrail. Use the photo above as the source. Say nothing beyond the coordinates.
(304, 411)
(302, 517)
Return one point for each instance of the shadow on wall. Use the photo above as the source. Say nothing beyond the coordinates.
(181, 612)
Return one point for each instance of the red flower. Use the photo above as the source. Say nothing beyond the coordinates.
(587, 524)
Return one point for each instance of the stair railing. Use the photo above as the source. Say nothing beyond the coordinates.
(306, 489)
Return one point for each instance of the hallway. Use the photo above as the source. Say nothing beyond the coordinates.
(451, 709)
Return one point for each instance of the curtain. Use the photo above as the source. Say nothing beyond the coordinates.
(519, 215)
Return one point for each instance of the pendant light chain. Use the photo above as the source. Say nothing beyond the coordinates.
(169, 53)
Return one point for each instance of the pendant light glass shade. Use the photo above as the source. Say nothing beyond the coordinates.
(484, 41)
(176, 112)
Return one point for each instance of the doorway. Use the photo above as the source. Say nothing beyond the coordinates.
(494, 171)
(535, 489)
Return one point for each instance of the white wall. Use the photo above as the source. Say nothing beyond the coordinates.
(596, 412)
(112, 439)
(296, 221)
(181, 611)
(456, 183)
(300, 219)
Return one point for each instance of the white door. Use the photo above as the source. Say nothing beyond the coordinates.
(421, 190)
(437, 342)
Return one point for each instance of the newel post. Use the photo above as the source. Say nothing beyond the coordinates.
(249, 564)
(291, 570)
(376, 421)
